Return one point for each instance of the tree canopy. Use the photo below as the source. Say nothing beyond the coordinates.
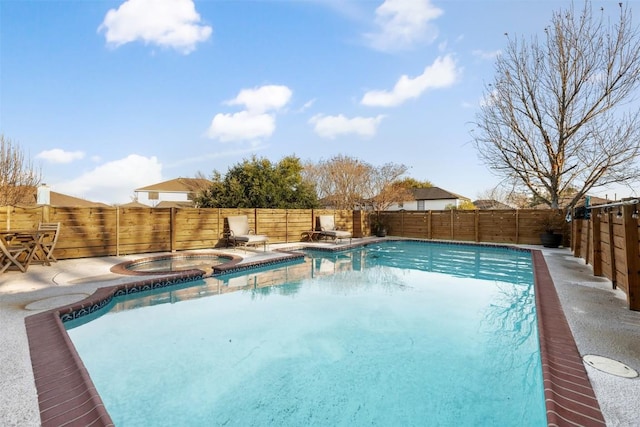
(554, 117)
(348, 183)
(258, 183)
(410, 183)
(340, 181)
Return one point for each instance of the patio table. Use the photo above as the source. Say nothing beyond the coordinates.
(32, 240)
(311, 235)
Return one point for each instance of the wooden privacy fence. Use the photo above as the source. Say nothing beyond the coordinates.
(517, 226)
(609, 241)
(98, 231)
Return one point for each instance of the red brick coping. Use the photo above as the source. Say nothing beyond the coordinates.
(568, 394)
(67, 396)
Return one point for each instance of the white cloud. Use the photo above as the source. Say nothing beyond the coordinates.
(483, 54)
(241, 126)
(404, 23)
(58, 155)
(307, 105)
(114, 182)
(442, 73)
(257, 120)
(262, 99)
(332, 126)
(167, 23)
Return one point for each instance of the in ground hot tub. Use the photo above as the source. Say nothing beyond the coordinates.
(173, 263)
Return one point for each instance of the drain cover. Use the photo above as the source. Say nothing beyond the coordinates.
(609, 366)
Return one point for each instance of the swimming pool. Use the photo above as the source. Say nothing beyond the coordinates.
(399, 332)
(67, 395)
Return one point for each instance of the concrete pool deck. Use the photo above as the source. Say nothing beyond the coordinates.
(598, 317)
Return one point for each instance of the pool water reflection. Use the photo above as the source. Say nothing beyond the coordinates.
(399, 333)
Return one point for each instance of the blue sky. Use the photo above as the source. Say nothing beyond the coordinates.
(110, 96)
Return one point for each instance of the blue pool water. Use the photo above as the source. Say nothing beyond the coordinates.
(400, 333)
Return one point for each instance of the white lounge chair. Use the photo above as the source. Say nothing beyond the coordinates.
(327, 228)
(240, 233)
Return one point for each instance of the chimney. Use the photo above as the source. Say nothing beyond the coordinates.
(44, 195)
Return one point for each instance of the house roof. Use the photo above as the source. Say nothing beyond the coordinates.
(175, 204)
(134, 205)
(490, 204)
(434, 193)
(59, 199)
(564, 201)
(177, 185)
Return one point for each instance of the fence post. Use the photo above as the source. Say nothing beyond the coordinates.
(286, 225)
(630, 225)
(476, 225)
(597, 243)
(576, 235)
(451, 231)
(46, 214)
(172, 229)
(612, 250)
(588, 256)
(117, 230)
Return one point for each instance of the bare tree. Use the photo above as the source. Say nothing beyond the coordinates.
(342, 181)
(348, 183)
(385, 187)
(509, 197)
(18, 178)
(553, 118)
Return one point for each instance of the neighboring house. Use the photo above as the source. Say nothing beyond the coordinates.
(133, 204)
(564, 202)
(488, 204)
(169, 204)
(58, 199)
(43, 195)
(426, 199)
(181, 190)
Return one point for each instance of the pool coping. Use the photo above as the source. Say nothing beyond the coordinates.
(67, 395)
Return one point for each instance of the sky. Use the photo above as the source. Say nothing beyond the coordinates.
(109, 96)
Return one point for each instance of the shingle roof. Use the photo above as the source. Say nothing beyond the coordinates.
(490, 204)
(59, 199)
(177, 185)
(434, 193)
(134, 205)
(174, 204)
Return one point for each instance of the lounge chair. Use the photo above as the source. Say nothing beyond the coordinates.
(327, 228)
(50, 239)
(10, 254)
(240, 233)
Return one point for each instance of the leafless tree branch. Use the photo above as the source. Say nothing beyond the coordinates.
(553, 118)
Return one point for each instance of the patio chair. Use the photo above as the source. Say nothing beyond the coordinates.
(327, 228)
(240, 233)
(10, 254)
(49, 241)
